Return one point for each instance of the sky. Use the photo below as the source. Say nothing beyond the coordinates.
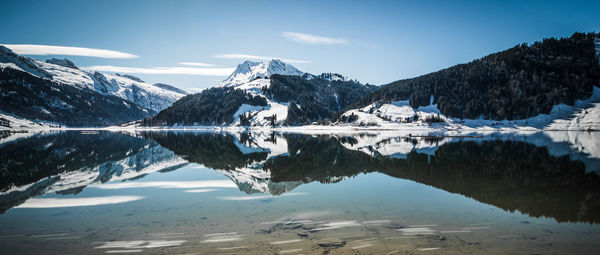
(196, 44)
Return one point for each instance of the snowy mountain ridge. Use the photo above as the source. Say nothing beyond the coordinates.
(63, 71)
(62, 62)
(251, 70)
(253, 77)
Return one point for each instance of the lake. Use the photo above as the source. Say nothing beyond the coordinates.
(192, 192)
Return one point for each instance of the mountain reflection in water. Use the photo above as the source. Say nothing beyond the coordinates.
(507, 172)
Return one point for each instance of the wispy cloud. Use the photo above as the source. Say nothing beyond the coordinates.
(255, 57)
(196, 64)
(35, 49)
(313, 39)
(163, 70)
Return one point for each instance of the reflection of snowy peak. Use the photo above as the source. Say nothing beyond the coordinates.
(149, 160)
(250, 70)
(254, 181)
(274, 145)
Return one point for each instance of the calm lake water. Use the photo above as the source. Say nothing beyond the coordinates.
(280, 193)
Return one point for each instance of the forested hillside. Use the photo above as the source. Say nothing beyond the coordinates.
(35, 98)
(214, 106)
(314, 99)
(517, 83)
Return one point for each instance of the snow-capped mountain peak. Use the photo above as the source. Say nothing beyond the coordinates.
(12, 60)
(250, 70)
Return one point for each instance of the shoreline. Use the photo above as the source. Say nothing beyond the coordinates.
(302, 129)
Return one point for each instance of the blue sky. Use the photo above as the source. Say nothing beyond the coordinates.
(375, 42)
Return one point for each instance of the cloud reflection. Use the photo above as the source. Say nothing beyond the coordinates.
(417, 231)
(222, 237)
(140, 244)
(73, 202)
(199, 190)
(243, 198)
(169, 184)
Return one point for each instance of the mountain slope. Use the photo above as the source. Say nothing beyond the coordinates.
(131, 88)
(215, 106)
(517, 83)
(136, 98)
(265, 94)
(317, 98)
(63, 71)
(34, 98)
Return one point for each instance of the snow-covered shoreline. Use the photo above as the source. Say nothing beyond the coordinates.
(310, 128)
(583, 115)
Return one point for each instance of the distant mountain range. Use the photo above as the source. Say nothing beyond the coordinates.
(552, 84)
(57, 91)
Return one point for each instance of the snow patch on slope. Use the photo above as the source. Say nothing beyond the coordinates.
(23, 63)
(261, 115)
(582, 115)
(8, 122)
(10, 66)
(66, 75)
(143, 94)
(396, 112)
